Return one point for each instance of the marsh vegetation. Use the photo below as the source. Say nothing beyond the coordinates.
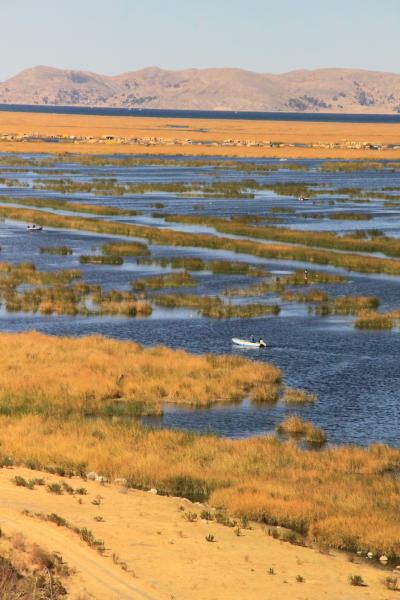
(354, 262)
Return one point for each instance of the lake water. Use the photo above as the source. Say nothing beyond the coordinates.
(355, 374)
(203, 114)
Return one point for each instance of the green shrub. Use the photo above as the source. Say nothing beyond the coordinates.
(356, 580)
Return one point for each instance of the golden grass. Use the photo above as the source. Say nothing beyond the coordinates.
(126, 249)
(297, 396)
(88, 375)
(127, 308)
(213, 307)
(57, 204)
(169, 280)
(309, 296)
(12, 275)
(371, 319)
(295, 426)
(239, 311)
(217, 129)
(346, 305)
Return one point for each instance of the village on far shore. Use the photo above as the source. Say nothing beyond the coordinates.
(164, 141)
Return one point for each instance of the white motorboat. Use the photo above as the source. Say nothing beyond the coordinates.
(303, 198)
(248, 343)
(34, 227)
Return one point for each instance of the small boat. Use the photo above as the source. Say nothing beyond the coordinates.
(248, 343)
(34, 227)
(303, 198)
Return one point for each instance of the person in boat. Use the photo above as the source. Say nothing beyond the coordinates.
(253, 339)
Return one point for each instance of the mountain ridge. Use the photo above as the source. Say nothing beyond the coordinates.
(335, 90)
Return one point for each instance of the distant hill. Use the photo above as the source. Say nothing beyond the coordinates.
(321, 90)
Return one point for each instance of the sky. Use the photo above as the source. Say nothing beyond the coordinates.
(115, 36)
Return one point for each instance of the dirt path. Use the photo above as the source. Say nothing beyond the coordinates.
(94, 574)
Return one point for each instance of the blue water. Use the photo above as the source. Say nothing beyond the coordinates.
(203, 114)
(355, 374)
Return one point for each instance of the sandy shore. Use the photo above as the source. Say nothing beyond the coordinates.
(197, 130)
(168, 556)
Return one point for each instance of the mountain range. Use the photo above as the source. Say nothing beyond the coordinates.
(321, 90)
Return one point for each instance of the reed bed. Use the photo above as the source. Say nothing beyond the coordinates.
(347, 305)
(340, 216)
(13, 275)
(257, 289)
(309, 296)
(77, 299)
(170, 280)
(351, 262)
(244, 188)
(301, 277)
(125, 308)
(98, 259)
(239, 311)
(370, 319)
(294, 425)
(317, 239)
(125, 161)
(56, 293)
(199, 303)
(297, 396)
(93, 209)
(87, 376)
(125, 249)
(120, 303)
(212, 307)
(359, 165)
(111, 187)
(60, 250)
(279, 284)
(48, 300)
(215, 266)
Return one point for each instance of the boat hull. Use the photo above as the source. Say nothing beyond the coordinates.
(247, 343)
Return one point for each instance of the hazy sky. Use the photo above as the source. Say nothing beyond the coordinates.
(113, 36)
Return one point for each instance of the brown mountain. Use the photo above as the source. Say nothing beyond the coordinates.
(321, 90)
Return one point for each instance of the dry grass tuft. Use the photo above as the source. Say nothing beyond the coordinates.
(370, 319)
(297, 396)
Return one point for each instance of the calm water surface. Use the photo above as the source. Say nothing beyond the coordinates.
(355, 374)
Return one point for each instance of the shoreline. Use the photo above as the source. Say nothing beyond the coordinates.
(197, 137)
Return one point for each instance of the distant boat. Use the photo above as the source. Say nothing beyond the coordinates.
(302, 198)
(282, 159)
(34, 227)
(249, 343)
